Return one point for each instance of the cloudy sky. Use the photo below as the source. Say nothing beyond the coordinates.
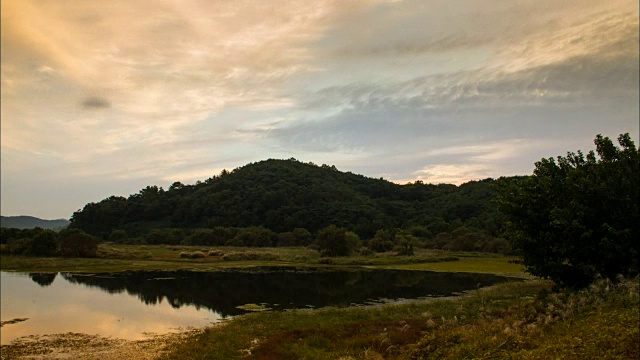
(103, 98)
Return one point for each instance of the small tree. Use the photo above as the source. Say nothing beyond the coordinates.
(577, 217)
(405, 243)
(336, 241)
(45, 244)
(78, 244)
(303, 236)
(382, 241)
(118, 236)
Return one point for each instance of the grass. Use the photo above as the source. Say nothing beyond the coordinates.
(507, 321)
(113, 257)
(515, 320)
(478, 263)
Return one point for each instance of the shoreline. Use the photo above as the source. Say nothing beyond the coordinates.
(84, 346)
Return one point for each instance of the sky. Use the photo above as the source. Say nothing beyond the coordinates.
(102, 98)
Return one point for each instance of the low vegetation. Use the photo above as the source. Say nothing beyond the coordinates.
(116, 257)
(511, 321)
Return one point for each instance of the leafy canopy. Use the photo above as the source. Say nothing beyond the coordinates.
(577, 217)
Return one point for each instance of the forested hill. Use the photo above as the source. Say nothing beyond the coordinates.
(30, 222)
(285, 194)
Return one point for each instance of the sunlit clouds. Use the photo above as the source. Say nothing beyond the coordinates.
(103, 98)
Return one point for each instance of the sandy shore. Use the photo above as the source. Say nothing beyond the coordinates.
(82, 346)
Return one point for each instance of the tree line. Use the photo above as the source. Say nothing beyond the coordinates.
(576, 217)
(46, 242)
(284, 195)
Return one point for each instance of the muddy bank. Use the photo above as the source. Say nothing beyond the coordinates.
(85, 347)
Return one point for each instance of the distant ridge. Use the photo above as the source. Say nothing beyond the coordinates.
(30, 222)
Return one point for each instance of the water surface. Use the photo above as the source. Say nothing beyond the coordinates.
(129, 304)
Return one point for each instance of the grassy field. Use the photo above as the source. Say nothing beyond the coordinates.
(514, 320)
(518, 320)
(145, 257)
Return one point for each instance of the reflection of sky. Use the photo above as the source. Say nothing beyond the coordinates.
(65, 307)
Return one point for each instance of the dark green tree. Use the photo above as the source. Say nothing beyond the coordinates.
(45, 243)
(118, 236)
(382, 241)
(78, 244)
(578, 216)
(337, 241)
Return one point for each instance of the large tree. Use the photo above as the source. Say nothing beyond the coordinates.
(578, 217)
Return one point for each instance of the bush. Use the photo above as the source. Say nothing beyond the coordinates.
(166, 236)
(78, 244)
(192, 255)
(19, 246)
(256, 236)
(118, 236)
(45, 244)
(200, 237)
(335, 241)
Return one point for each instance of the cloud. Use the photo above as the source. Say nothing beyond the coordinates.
(384, 88)
(93, 102)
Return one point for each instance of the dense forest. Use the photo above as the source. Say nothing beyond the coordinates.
(292, 197)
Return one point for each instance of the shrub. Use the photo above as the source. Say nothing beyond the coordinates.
(197, 255)
(19, 246)
(192, 255)
(165, 236)
(200, 237)
(45, 244)
(78, 244)
(118, 236)
(335, 241)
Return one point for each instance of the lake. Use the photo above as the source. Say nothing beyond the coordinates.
(132, 304)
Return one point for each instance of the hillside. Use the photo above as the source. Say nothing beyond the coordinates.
(30, 222)
(285, 194)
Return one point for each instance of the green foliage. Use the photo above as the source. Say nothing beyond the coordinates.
(118, 236)
(45, 244)
(286, 195)
(256, 236)
(20, 246)
(78, 244)
(164, 236)
(335, 241)
(383, 241)
(405, 243)
(202, 237)
(578, 216)
(34, 242)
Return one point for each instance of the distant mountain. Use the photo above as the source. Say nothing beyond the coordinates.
(30, 222)
(285, 194)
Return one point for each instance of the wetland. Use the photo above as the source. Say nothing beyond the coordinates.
(132, 305)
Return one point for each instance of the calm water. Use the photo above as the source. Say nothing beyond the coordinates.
(129, 304)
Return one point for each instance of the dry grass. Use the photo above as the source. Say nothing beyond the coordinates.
(512, 320)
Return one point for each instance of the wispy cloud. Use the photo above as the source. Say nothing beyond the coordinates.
(134, 92)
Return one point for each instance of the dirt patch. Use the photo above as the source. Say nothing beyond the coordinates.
(85, 347)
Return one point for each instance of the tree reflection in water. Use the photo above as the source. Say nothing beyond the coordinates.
(280, 288)
(43, 279)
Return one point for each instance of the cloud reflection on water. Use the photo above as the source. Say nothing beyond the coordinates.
(65, 307)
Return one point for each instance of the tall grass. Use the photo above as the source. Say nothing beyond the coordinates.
(513, 320)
